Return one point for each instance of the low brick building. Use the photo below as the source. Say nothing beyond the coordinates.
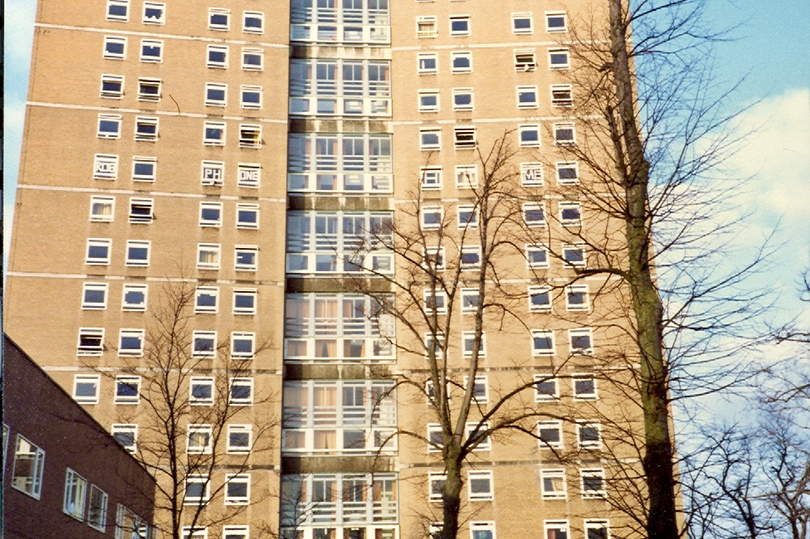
(63, 474)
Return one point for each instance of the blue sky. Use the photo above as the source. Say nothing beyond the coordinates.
(768, 46)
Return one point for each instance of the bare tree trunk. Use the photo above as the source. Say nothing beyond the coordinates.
(634, 171)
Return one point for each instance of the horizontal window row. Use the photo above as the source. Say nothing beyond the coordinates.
(228, 532)
(522, 23)
(142, 211)
(479, 485)
(155, 13)
(339, 162)
(340, 87)
(236, 490)
(465, 137)
(531, 175)
(476, 432)
(463, 98)
(427, 63)
(588, 434)
(200, 439)
(580, 341)
(577, 298)
(433, 217)
(216, 94)
(131, 343)
(591, 484)
(95, 296)
(202, 390)
(151, 50)
(147, 129)
(99, 252)
(245, 257)
(90, 504)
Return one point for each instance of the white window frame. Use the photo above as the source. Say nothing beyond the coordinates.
(573, 248)
(212, 173)
(161, 19)
(434, 437)
(199, 439)
(111, 120)
(464, 255)
(429, 100)
(549, 494)
(466, 176)
(246, 257)
(94, 243)
(201, 382)
(144, 128)
(212, 249)
(480, 476)
(216, 64)
(546, 396)
(550, 15)
(426, 134)
(464, 137)
(214, 128)
(250, 16)
(105, 167)
(236, 480)
(246, 337)
(235, 532)
(434, 259)
(432, 224)
(556, 528)
(536, 248)
(215, 100)
(89, 380)
(126, 428)
(152, 44)
(586, 473)
(556, 57)
(582, 427)
(577, 290)
(242, 210)
(199, 532)
(479, 528)
(423, 65)
(112, 93)
(203, 337)
(138, 335)
(582, 394)
(567, 165)
(127, 381)
(525, 138)
(562, 95)
(240, 382)
(526, 97)
(245, 292)
(555, 425)
(469, 306)
(480, 388)
(579, 333)
(525, 60)
(206, 209)
(97, 509)
(247, 89)
(539, 291)
(219, 12)
(154, 86)
(130, 288)
(436, 482)
(249, 52)
(531, 174)
(28, 484)
(530, 209)
(570, 206)
(98, 203)
(459, 92)
(136, 246)
(141, 161)
(467, 341)
(430, 177)
(121, 4)
(239, 449)
(96, 335)
(141, 210)
(465, 30)
(597, 525)
(205, 496)
(562, 128)
(518, 29)
(440, 302)
(483, 445)
(459, 55)
(250, 136)
(91, 288)
(249, 175)
(467, 216)
(118, 40)
(426, 26)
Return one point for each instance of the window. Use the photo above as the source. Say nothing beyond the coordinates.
(467, 217)
(479, 485)
(250, 136)
(244, 300)
(105, 167)
(198, 533)
(522, 23)
(216, 94)
(436, 482)
(576, 297)
(482, 530)
(428, 100)
(469, 300)
(249, 175)
(151, 50)
(252, 59)
(29, 464)
(433, 259)
(546, 388)
(427, 63)
(115, 48)
(435, 437)
(198, 489)
(213, 173)
(146, 128)
(206, 299)
(556, 529)
(154, 13)
(240, 439)
(561, 95)
(525, 60)
(480, 392)
(461, 62)
(138, 253)
(109, 126)
(102, 209)
(211, 214)
(94, 296)
(235, 532)
(241, 391)
(539, 298)
(463, 99)
(208, 256)
(552, 483)
(203, 344)
(86, 388)
(597, 529)
(529, 135)
(133, 297)
(127, 389)
(126, 436)
(574, 256)
(199, 439)
(247, 216)
(558, 59)
(431, 177)
(468, 344)
(527, 97)
(570, 213)
(112, 86)
(592, 483)
(143, 169)
(217, 56)
(531, 174)
(432, 217)
(542, 342)
(246, 258)
(131, 342)
(251, 97)
(97, 509)
(426, 27)
(584, 386)
(430, 138)
(436, 347)
(98, 251)
(549, 434)
(534, 214)
(437, 302)
(589, 435)
(237, 489)
(201, 391)
(117, 10)
(242, 345)
(556, 22)
(149, 90)
(253, 22)
(564, 134)
(475, 430)
(90, 341)
(218, 18)
(536, 256)
(75, 495)
(580, 341)
(470, 257)
(466, 176)
(464, 138)
(567, 173)
(459, 25)
(141, 210)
